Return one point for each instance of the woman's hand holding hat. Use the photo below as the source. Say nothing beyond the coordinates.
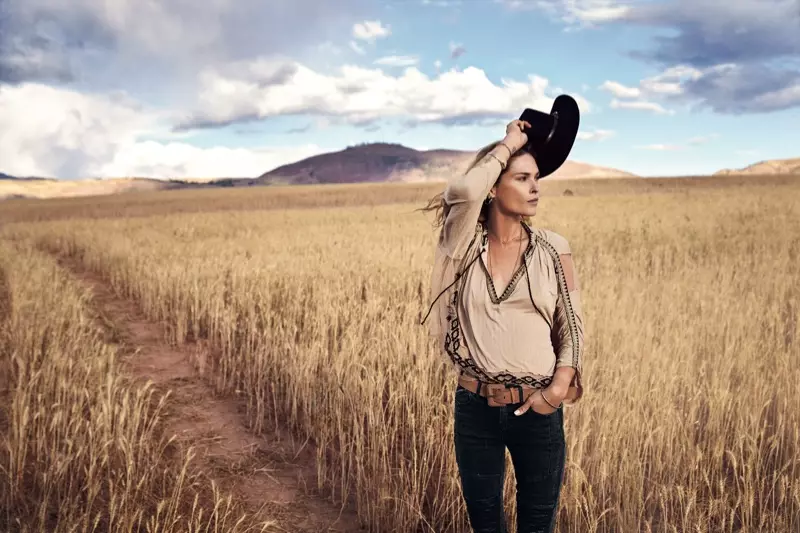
(516, 137)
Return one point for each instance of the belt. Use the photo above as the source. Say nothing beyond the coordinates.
(497, 393)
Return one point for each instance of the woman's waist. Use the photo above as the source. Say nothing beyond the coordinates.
(535, 364)
(492, 366)
(476, 372)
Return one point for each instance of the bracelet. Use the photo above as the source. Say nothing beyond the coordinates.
(510, 151)
(502, 165)
(547, 401)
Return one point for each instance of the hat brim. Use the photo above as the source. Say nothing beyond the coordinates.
(551, 153)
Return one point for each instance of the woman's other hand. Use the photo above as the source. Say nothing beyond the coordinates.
(537, 403)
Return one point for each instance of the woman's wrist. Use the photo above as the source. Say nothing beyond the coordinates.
(512, 143)
(555, 394)
(503, 145)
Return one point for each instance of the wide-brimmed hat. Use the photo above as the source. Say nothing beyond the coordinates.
(551, 135)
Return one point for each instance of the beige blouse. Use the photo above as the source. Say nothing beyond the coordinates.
(519, 337)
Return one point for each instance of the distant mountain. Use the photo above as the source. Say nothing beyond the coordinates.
(397, 163)
(772, 166)
(32, 178)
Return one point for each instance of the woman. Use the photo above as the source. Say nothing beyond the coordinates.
(512, 326)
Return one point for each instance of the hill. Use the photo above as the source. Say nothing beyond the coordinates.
(397, 163)
(29, 178)
(52, 188)
(769, 167)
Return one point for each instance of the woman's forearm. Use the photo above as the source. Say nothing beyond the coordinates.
(474, 185)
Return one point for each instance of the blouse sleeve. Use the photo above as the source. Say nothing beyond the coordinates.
(464, 196)
(568, 323)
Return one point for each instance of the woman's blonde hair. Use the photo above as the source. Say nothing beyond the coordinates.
(442, 208)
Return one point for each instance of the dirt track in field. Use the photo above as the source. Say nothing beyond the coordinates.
(271, 474)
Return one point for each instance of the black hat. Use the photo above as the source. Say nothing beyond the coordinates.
(551, 136)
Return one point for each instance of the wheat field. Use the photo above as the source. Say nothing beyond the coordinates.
(691, 293)
(82, 448)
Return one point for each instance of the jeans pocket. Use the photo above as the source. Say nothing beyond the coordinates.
(462, 394)
(465, 397)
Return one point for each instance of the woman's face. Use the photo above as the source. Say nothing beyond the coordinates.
(517, 193)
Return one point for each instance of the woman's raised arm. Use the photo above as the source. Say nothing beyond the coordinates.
(465, 194)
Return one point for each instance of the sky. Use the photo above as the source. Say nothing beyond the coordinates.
(234, 88)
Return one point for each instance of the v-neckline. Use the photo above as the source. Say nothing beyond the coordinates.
(512, 284)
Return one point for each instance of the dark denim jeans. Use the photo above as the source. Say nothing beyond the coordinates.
(538, 451)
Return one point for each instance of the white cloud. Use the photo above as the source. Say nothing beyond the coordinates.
(730, 57)
(596, 135)
(176, 159)
(693, 141)
(591, 11)
(47, 131)
(441, 3)
(726, 88)
(360, 95)
(57, 39)
(357, 48)
(621, 91)
(661, 147)
(641, 105)
(782, 98)
(668, 83)
(370, 30)
(576, 12)
(397, 61)
(61, 133)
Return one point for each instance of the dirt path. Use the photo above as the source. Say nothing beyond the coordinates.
(272, 475)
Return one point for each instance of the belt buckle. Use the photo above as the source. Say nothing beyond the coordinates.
(497, 394)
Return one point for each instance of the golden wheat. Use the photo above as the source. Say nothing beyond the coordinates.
(146, 203)
(690, 421)
(82, 448)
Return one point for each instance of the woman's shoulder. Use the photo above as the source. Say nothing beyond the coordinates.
(556, 240)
